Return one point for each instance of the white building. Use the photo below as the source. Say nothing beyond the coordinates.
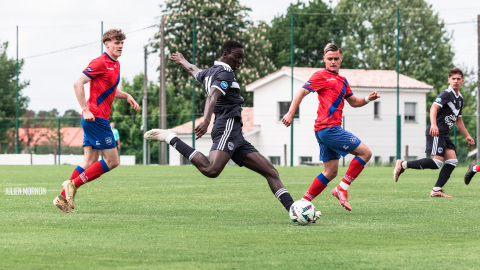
(374, 124)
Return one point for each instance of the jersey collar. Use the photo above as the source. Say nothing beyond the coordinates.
(330, 71)
(109, 57)
(453, 91)
(222, 64)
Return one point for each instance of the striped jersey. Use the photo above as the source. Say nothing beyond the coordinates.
(332, 89)
(450, 108)
(222, 77)
(104, 73)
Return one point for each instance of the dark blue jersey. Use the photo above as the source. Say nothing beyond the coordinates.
(221, 76)
(450, 108)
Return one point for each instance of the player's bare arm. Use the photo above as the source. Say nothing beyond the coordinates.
(178, 59)
(79, 86)
(210, 103)
(433, 120)
(122, 95)
(461, 127)
(297, 99)
(360, 102)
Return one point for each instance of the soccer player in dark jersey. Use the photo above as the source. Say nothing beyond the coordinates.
(103, 73)
(223, 99)
(334, 142)
(445, 112)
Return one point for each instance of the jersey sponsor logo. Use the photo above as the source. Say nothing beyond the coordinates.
(89, 69)
(108, 140)
(333, 79)
(230, 146)
(110, 68)
(308, 83)
(440, 150)
(438, 100)
(224, 85)
(450, 120)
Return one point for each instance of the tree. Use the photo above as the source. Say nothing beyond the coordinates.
(311, 34)
(216, 22)
(71, 118)
(368, 30)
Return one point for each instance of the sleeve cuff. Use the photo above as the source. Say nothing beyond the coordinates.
(308, 89)
(221, 90)
(349, 95)
(459, 115)
(441, 106)
(88, 75)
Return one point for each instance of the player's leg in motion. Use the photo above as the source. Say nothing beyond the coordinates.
(259, 164)
(472, 170)
(330, 171)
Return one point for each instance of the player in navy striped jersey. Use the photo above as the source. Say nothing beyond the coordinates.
(223, 99)
(445, 112)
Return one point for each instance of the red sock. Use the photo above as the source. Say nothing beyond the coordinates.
(75, 173)
(477, 168)
(96, 170)
(319, 184)
(355, 168)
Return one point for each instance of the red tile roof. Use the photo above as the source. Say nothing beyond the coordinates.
(359, 77)
(247, 118)
(71, 136)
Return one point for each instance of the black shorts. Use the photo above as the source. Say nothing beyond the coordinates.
(436, 146)
(227, 136)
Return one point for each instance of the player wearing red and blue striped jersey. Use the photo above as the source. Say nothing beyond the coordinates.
(103, 73)
(334, 142)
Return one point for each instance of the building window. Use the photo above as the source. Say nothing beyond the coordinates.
(304, 160)
(376, 110)
(411, 158)
(275, 160)
(378, 160)
(410, 111)
(392, 159)
(283, 109)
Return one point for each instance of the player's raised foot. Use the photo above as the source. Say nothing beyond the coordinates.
(439, 193)
(160, 135)
(470, 173)
(70, 191)
(398, 170)
(317, 216)
(342, 196)
(62, 204)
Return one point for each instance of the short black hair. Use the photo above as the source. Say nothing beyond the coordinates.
(229, 45)
(453, 71)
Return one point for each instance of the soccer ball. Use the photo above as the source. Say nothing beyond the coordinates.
(302, 212)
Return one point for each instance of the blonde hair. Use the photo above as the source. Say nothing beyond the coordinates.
(113, 34)
(332, 48)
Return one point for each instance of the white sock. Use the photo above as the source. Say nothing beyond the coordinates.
(344, 185)
(474, 169)
(437, 188)
(170, 137)
(404, 165)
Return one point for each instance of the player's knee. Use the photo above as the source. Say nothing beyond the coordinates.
(330, 174)
(211, 172)
(112, 164)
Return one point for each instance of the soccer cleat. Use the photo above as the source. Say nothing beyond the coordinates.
(342, 196)
(317, 216)
(470, 173)
(439, 193)
(62, 204)
(159, 134)
(398, 170)
(70, 191)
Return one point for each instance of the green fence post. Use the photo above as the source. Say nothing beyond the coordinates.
(343, 159)
(293, 119)
(59, 140)
(16, 102)
(193, 89)
(101, 38)
(455, 135)
(399, 131)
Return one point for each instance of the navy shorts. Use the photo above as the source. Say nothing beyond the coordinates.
(227, 136)
(335, 142)
(98, 134)
(436, 146)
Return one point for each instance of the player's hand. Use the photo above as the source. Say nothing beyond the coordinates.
(434, 130)
(132, 102)
(373, 96)
(287, 119)
(177, 58)
(201, 129)
(470, 141)
(88, 116)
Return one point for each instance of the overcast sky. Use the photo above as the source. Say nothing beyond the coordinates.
(51, 25)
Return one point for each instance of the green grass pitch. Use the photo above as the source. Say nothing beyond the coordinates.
(175, 218)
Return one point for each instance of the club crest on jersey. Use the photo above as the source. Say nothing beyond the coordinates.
(353, 139)
(89, 69)
(440, 150)
(224, 85)
(108, 140)
(230, 145)
(438, 100)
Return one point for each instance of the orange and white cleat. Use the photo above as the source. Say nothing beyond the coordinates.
(342, 196)
(398, 170)
(439, 193)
